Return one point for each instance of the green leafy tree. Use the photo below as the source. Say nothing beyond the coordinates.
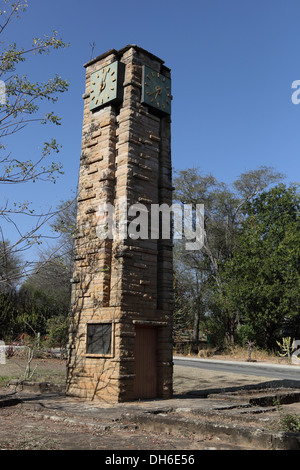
(58, 332)
(263, 276)
(7, 315)
(10, 273)
(183, 318)
(41, 303)
(224, 208)
(10, 267)
(36, 304)
(24, 101)
(64, 225)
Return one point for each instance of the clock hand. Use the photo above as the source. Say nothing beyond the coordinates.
(103, 83)
(157, 91)
(102, 86)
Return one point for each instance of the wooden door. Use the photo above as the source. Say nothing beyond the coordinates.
(145, 357)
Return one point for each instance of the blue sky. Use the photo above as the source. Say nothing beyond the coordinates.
(233, 63)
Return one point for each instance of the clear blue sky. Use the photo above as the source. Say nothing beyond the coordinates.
(233, 63)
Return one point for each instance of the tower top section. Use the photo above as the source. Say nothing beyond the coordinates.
(120, 52)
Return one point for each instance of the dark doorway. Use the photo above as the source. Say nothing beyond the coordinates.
(145, 362)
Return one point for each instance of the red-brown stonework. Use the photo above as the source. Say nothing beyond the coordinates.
(127, 284)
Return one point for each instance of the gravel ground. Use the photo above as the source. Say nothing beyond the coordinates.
(59, 423)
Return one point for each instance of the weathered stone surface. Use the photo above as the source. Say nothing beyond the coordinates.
(125, 153)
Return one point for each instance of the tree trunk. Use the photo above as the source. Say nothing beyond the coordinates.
(195, 335)
(230, 330)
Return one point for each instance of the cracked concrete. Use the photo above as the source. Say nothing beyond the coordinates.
(209, 410)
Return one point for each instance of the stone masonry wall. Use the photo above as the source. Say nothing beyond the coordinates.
(126, 152)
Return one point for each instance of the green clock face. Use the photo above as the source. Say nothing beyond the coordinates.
(156, 90)
(105, 85)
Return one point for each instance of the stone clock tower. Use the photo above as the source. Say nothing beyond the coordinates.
(122, 296)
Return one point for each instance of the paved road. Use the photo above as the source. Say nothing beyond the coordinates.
(289, 372)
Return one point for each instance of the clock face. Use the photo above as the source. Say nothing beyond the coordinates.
(156, 90)
(105, 86)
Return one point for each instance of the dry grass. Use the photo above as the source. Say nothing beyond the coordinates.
(234, 353)
(47, 370)
(238, 353)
